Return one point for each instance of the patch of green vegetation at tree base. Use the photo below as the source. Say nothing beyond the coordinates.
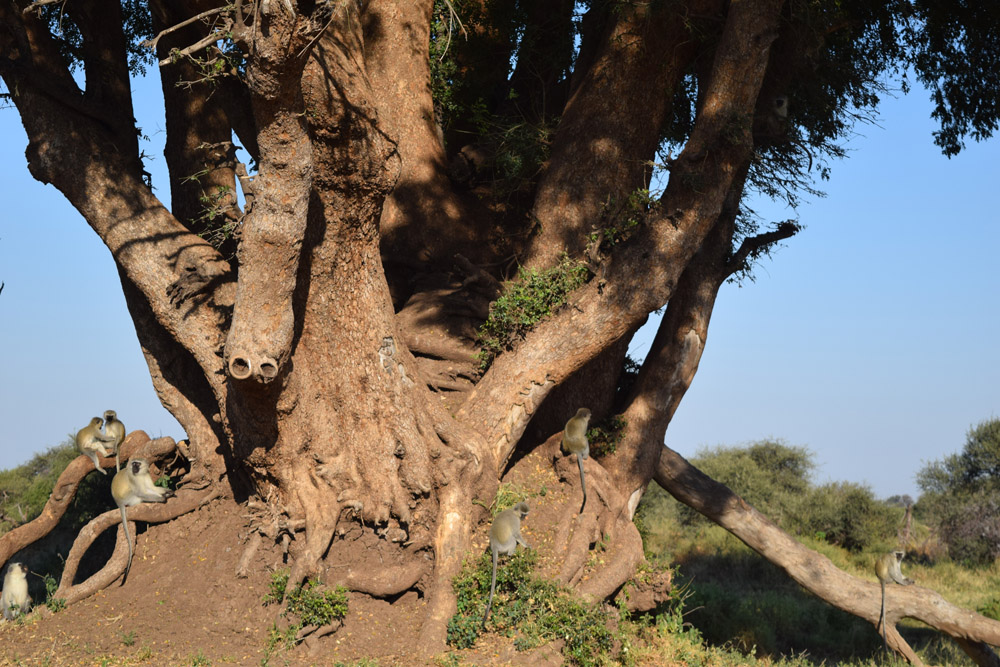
(533, 610)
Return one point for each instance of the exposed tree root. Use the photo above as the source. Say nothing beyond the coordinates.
(242, 567)
(819, 575)
(321, 522)
(65, 490)
(453, 535)
(183, 503)
(605, 520)
(310, 636)
(385, 581)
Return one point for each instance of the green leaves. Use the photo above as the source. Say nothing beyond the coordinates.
(535, 611)
(525, 302)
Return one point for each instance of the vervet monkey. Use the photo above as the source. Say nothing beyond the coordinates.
(133, 485)
(505, 534)
(887, 570)
(116, 430)
(781, 107)
(14, 599)
(574, 441)
(90, 442)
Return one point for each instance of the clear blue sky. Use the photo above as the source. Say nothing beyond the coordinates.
(869, 338)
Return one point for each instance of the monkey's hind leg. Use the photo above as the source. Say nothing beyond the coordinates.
(97, 462)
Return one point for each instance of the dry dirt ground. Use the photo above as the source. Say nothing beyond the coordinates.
(183, 605)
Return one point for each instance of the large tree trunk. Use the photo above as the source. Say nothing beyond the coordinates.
(313, 380)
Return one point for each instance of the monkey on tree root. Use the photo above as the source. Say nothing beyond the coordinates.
(574, 441)
(133, 485)
(14, 599)
(91, 441)
(505, 535)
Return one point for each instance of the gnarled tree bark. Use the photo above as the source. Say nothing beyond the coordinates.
(320, 350)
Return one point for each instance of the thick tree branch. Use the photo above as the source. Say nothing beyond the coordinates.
(815, 572)
(603, 147)
(260, 338)
(200, 154)
(106, 65)
(73, 150)
(65, 490)
(423, 217)
(619, 298)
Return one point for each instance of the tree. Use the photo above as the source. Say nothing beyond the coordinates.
(317, 337)
(961, 494)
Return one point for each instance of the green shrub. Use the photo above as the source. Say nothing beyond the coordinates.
(605, 436)
(537, 609)
(961, 496)
(311, 603)
(54, 604)
(770, 475)
(524, 302)
(848, 515)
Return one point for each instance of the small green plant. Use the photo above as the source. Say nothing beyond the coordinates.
(621, 217)
(283, 639)
(54, 604)
(508, 495)
(991, 609)
(276, 589)
(128, 638)
(537, 609)
(604, 437)
(317, 607)
(311, 603)
(199, 660)
(525, 302)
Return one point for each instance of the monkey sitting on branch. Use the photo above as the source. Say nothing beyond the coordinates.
(887, 570)
(115, 430)
(90, 441)
(133, 485)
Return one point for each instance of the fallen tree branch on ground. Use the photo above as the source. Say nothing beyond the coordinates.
(817, 574)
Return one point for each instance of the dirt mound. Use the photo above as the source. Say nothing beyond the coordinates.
(182, 603)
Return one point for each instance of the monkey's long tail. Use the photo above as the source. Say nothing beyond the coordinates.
(128, 541)
(881, 619)
(583, 481)
(493, 586)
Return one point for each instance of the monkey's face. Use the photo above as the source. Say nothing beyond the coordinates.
(110, 414)
(96, 421)
(138, 467)
(583, 413)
